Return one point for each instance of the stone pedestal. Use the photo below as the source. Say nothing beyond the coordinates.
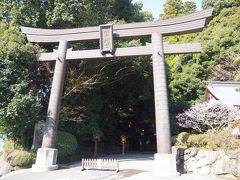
(46, 160)
(165, 165)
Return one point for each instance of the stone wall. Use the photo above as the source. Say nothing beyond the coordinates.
(205, 162)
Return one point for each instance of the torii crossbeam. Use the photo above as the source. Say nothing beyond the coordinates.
(165, 162)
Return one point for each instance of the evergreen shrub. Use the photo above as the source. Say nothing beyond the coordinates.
(223, 140)
(21, 158)
(8, 148)
(182, 138)
(197, 140)
(16, 155)
(66, 144)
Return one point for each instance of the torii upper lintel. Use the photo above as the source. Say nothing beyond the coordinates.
(180, 25)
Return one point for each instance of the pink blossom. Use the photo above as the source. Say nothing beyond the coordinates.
(212, 116)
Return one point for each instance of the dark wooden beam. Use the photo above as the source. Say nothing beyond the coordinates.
(179, 25)
(121, 52)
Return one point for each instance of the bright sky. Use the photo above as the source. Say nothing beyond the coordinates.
(156, 6)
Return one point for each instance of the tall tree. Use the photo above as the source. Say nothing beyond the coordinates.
(18, 105)
(218, 5)
(189, 7)
(172, 8)
(27, 13)
(68, 14)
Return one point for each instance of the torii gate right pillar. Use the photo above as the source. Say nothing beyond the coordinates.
(164, 160)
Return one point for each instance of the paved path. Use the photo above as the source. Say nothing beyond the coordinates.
(132, 167)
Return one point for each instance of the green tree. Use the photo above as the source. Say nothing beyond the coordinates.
(18, 107)
(178, 98)
(218, 5)
(172, 8)
(148, 16)
(219, 41)
(68, 14)
(27, 13)
(189, 7)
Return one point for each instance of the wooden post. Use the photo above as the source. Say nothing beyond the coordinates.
(54, 105)
(95, 146)
(123, 141)
(160, 96)
(123, 148)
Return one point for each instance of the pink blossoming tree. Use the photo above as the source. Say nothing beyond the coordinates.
(212, 116)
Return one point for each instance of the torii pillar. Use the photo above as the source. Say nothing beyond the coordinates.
(46, 159)
(164, 160)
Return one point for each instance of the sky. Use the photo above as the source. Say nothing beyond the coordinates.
(156, 6)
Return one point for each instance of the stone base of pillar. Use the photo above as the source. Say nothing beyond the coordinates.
(46, 160)
(165, 165)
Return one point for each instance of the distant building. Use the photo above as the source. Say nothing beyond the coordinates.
(225, 91)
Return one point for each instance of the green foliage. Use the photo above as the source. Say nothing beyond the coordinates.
(185, 139)
(181, 139)
(219, 40)
(148, 16)
(180, 98)
(21, 158)
(223, 140)
(173, 8)
(18, 106)
(189, 7)
(8, 148)
(136, 13)
(197, 140)
(66, 144)
(218, 5)
(91, 124)
(16, 155)
(66, 14)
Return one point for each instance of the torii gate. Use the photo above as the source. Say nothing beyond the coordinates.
(165, 162)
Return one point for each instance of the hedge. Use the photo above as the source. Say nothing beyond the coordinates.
(66, 144)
